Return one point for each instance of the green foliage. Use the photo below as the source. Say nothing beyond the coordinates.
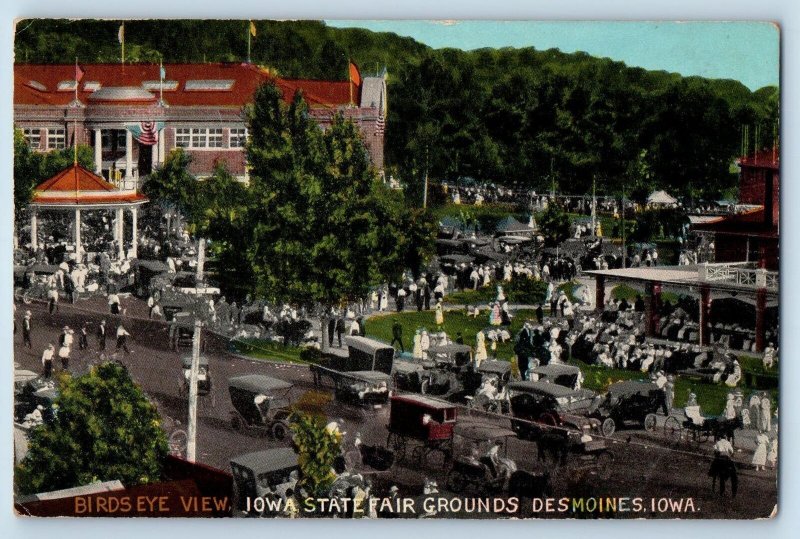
(658, 223)
(317, 450)
(173, 186)
(554, 225)
(104, 429)
(322, 228)
(31, 168)
(524, 291)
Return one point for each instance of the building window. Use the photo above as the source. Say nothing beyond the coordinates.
(182, 137)
(33, 137)
(198, 138)
(238, 137)
(56, 138)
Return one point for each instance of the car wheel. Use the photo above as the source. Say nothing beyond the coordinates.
(279, 431)
(650, 422)
(608, 427)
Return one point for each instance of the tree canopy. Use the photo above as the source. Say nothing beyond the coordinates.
(104, 429)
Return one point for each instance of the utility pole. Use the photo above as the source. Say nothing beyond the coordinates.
(425, 194)
(594, 205)
(622, 216)
(191, 435)
(201, 260)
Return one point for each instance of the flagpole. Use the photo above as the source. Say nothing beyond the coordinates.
(350, 81)
(161, 83)
(249, 33)
(75, 124)
(122, 42)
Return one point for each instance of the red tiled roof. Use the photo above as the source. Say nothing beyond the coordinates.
(746, 223)
(81, 186)
(29, 78)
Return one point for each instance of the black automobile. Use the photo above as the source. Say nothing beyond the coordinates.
(630, 402)
(35, 392)
(549, 404)
(363, 388)
(568, 376)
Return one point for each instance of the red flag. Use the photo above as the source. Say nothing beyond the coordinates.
(355, 76)
(78, 73)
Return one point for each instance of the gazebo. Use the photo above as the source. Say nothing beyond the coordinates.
(661, 198)
(78, 189)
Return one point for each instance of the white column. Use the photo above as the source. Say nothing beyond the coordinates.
(121, 232)
(128, 154)
(98, 151)
(78, 247)
(162, 145)
(34, 230)
(154, 159)
(135, 224)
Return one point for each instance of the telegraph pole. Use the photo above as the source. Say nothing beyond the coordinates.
(622, 216)
(425, 194)
(191, 435)
(201, 260)
(594, 205)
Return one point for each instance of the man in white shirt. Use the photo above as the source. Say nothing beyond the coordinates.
(47, 360)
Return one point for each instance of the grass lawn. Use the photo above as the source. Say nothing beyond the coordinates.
(263, 349)
(380, 327)
(481, 296)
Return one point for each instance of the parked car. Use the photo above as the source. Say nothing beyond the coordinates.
(568, 376)
(269, 474)
(630, 402)
(549, 404)
(261, 403)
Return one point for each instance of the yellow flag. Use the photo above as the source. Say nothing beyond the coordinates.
(252, 29)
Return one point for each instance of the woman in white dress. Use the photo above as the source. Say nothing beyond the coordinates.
(487, 276)
(425, 341)
(439, 314)
(760, 455)
(765, 415)
(480, 348)
(772, 454)
(384, 300)
(417, 345)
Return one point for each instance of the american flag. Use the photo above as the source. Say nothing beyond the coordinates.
(149, 135)
(381, 125)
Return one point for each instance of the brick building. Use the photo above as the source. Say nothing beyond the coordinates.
(136, 118)
(753, 235)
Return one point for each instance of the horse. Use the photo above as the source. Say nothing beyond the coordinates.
(726, 428)
(723, 468)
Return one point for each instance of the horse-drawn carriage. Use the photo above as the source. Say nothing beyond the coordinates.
(444, 372)
(421, 421)
(260, 403)
(695, 428)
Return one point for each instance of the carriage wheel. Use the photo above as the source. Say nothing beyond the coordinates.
(650, 422)
(177, 443)
(456, 482)
(398, 445)
(424, 387)
(608, 427)
(672, 429)
(603, 464)
(420, 456)
(279, 431)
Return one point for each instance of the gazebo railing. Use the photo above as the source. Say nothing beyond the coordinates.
(739, 273)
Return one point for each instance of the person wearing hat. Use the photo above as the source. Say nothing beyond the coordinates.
(47, 360)
(65, 346)
(101, 335)
(26, 330)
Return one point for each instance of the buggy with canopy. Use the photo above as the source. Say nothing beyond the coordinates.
(260, 403)
(426, 422)
(568, 376)
(630, 402)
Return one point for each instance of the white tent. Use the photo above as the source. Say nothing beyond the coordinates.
(661, 198)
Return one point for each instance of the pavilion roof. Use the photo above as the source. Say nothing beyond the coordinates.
(75, 186)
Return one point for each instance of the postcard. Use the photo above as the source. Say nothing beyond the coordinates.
(396, 269)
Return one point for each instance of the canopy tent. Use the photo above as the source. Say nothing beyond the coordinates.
(661, 198)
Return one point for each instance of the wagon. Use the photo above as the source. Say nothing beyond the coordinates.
(698, 429)
(477, 472)
(630, 402)
(203, 378)
(260, 403)
(423, 422)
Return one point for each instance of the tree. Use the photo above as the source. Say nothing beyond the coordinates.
(554, 223)
(323, 228)
(173, 186)
(104, 429)
(317, 449)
